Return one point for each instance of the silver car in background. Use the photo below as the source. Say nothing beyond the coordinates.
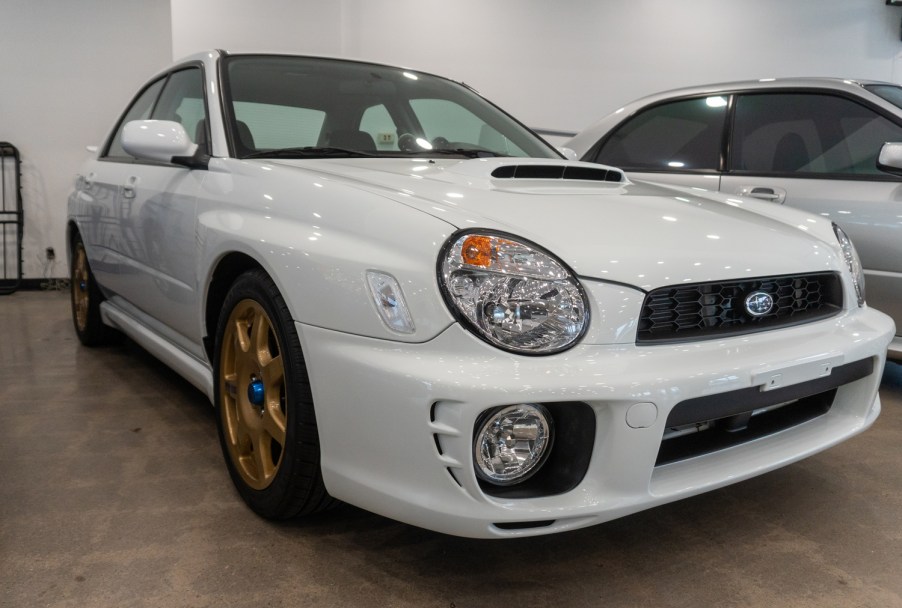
(819, 144)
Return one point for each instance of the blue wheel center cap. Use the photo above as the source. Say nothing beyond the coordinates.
(255, 392)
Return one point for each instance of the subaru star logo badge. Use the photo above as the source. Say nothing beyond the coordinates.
(759, 303)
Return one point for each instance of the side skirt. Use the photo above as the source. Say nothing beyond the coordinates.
(190, 368)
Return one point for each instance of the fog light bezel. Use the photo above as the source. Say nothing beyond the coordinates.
(481, 427)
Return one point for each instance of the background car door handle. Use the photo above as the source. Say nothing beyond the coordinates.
(775, 195)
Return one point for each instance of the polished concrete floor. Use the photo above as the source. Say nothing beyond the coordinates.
(113, 493)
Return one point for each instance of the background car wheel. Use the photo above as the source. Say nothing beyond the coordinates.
(267, 426)
(86, 299)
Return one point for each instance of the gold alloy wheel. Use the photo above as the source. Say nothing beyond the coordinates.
(252, 394)
(80, 296)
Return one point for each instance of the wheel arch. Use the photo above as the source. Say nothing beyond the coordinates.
(228, 269)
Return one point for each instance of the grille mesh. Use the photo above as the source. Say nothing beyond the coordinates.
(717, 309)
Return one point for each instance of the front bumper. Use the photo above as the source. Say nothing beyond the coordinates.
(396, 420)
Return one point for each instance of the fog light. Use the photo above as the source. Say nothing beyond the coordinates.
(512, 443)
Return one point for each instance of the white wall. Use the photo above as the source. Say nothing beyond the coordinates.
(67, 70)
(561, 65)
(288, 26)
(556, 65)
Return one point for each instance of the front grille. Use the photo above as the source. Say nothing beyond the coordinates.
(716, 309)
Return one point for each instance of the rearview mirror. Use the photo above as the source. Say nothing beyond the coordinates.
(163, 141)
(890, 158)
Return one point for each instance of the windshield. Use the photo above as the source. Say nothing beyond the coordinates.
(305, 107)
(889, 92)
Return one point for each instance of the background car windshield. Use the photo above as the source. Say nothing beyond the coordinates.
(288, 103)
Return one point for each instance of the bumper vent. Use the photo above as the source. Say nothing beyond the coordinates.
(711, 310)
(715, 422)
(557, 172)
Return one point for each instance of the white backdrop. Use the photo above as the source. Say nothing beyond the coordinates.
(69, 68)
(563, 64)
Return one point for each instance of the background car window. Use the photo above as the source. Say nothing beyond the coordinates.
(182, 101)
(801, 133)
(139, 110)
(272, 126)
(678, 136)
(890, 92)
(442, 118)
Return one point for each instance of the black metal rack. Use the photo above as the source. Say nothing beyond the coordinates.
(12, 219)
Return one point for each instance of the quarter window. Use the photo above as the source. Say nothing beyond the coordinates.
(808, 134)
(677, 136)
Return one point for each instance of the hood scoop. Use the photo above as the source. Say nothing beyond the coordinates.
(558, 171)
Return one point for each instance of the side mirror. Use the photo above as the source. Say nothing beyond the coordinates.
(890, 158)
(163, 141)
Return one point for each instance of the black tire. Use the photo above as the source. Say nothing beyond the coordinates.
(269, 437)
(85, 298)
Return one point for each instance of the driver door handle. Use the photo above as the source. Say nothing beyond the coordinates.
(128, 188)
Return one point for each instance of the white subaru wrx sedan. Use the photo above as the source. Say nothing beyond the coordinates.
(398, 296)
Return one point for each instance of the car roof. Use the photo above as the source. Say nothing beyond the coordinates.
(839, 84)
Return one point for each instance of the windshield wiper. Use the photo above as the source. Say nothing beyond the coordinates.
(309, 152)
(467, 152)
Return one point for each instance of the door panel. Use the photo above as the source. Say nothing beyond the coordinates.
(157, 266)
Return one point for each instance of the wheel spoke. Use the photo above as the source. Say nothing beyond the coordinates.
(263, 457)
(274, 423)
(241, 325)
(260, 336)
(231, 385)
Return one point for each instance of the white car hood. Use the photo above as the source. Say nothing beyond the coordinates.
(634, 233)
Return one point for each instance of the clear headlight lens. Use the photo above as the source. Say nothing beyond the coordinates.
(512, 443)
(512, 294)
(852, 261)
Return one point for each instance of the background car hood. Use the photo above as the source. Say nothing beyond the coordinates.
(635, 233)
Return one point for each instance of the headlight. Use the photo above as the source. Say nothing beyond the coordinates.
(852, 261)
(512, 294)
